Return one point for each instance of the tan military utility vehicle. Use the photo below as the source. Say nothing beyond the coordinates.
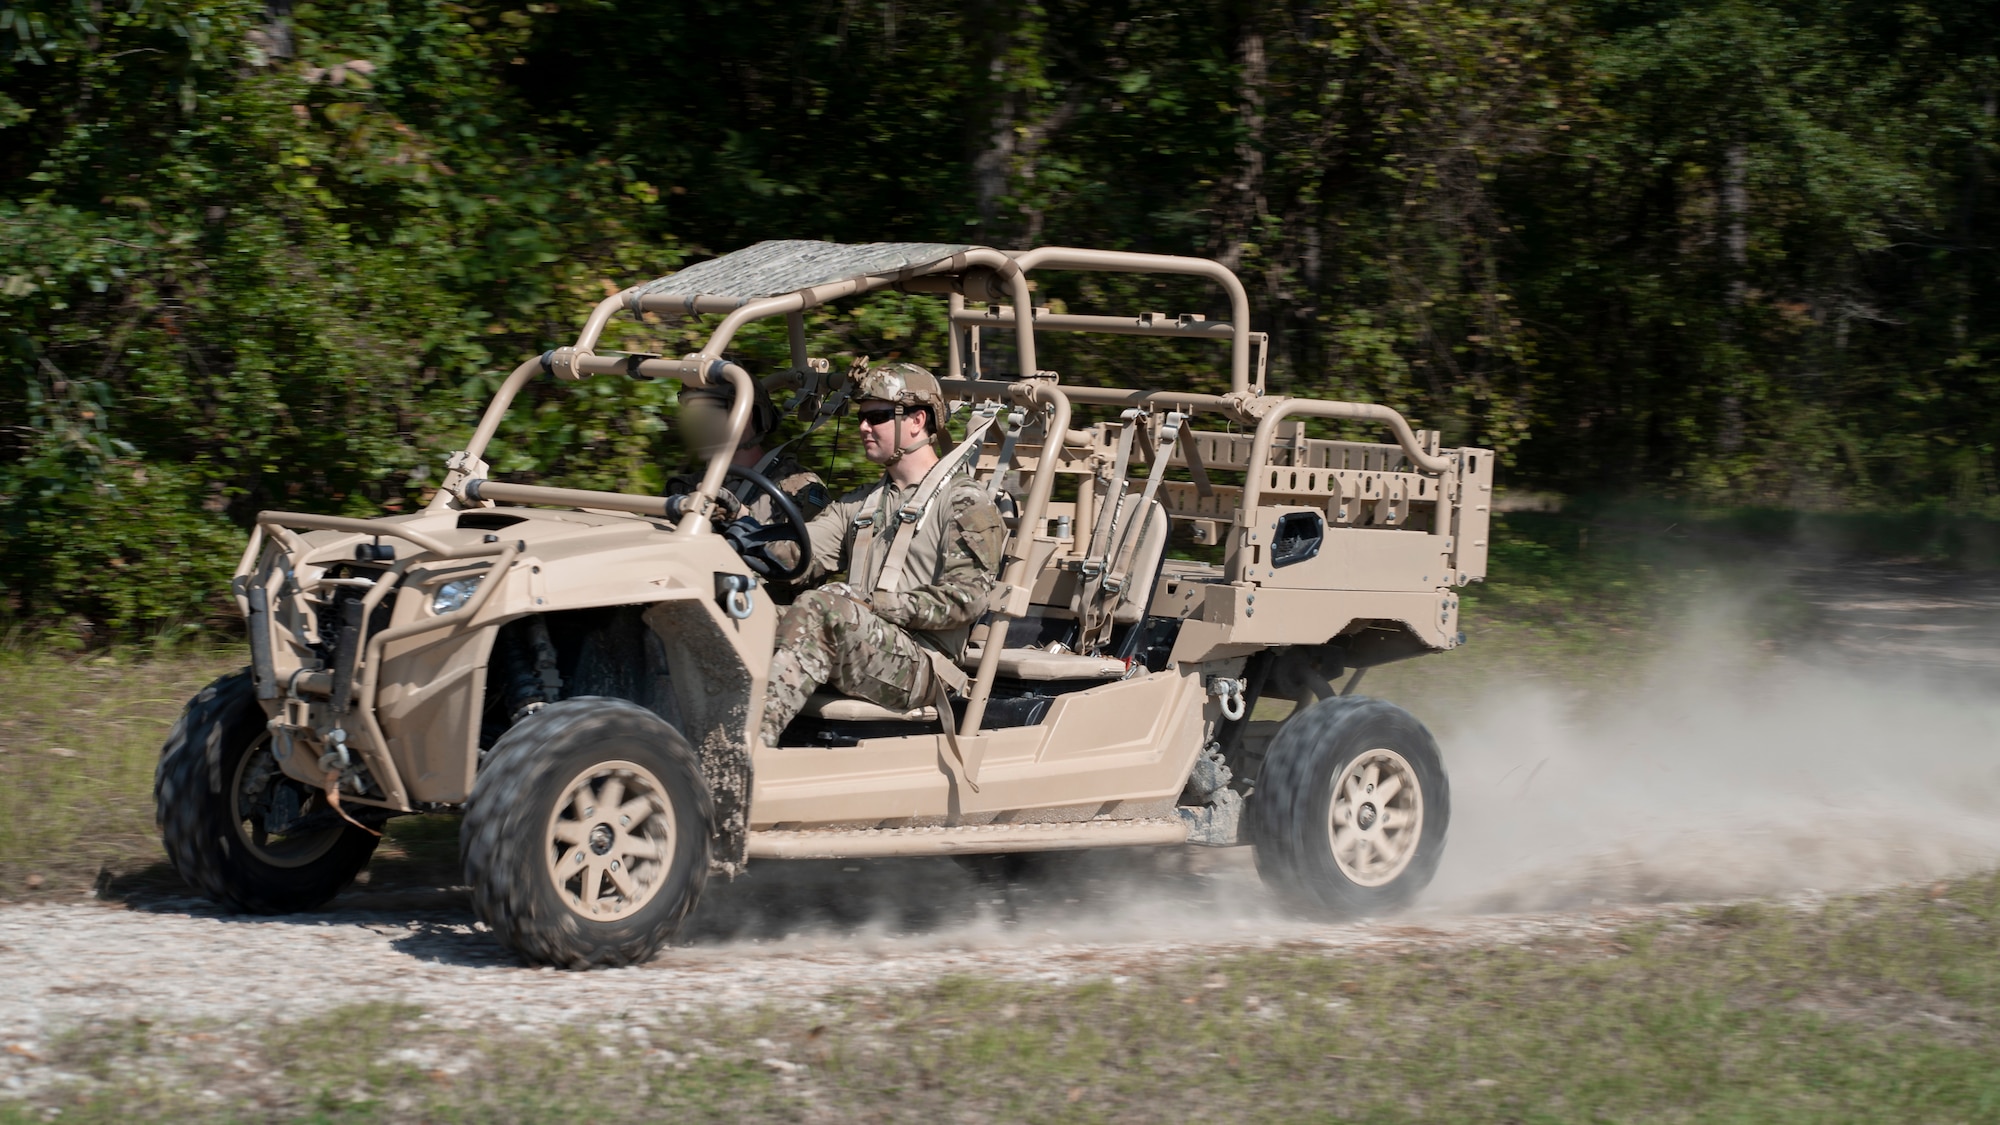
(581, 673)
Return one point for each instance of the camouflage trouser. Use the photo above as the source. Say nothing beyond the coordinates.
(824, 638)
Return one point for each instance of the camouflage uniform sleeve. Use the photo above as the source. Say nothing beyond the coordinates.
(973, 539)
(805, 490)
(828, 532)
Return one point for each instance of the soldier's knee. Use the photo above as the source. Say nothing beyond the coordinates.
(816, 613)
(841, 610)
(799, 611)
(812, 601)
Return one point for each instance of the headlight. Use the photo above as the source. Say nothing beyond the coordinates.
(453, 595)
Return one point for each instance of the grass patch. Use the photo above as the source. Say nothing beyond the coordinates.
(78, 741)
(1932, 533)
(1884, 1007)
(1587, 604)
(1582, 590)
(1545, 574)
(79, 738)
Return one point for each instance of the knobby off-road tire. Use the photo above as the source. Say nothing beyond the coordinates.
(1350, 811)
(586, 838)
(211, 792)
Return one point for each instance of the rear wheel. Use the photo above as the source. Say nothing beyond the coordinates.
(235, 826)
(586, 839)
(1350, 812)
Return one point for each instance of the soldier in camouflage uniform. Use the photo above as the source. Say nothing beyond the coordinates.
(704, 422)
(891, 633)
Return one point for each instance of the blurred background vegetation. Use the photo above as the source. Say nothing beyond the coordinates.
(263, 254)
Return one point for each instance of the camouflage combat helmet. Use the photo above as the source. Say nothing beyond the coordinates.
(705, 416)
(905, 385)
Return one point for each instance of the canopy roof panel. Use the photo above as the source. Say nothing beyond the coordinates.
(771, 269)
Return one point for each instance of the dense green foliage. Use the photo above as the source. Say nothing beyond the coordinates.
(258, 254)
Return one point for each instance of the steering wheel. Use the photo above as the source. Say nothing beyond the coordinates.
(789, 526)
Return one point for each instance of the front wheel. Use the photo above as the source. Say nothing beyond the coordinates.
(1349, 815)
(586, 838)
(235, 826)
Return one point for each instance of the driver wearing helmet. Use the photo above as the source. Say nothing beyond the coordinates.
(704, 423)
(920, 549)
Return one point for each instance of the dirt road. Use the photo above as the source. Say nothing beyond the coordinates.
(787, 934)
(1865, 760)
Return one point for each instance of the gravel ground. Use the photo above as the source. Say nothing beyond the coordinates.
(180, 968)
(783, 941)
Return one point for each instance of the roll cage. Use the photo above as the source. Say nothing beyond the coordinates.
(1409, 485)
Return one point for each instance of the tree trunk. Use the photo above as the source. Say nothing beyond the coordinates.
(994, 111)
(1246, 204)
(1736, 247)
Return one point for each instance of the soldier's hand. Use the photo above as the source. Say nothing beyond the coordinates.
(741, 535)
(729, 507)
(768, 550)
(725, 508)
(782, 553)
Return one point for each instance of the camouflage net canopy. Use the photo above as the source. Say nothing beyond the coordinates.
(770, 269)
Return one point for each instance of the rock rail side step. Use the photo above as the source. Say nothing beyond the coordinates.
(969, 839)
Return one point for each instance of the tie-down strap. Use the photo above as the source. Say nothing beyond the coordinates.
(1104, 585)
(902, 531)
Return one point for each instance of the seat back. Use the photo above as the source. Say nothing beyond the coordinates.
(1060, 593)
(1146, 557)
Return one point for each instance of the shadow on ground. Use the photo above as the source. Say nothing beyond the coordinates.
(411, 892)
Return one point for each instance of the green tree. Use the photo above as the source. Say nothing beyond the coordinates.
(278, 254)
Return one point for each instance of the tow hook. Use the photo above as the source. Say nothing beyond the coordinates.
(736, 593)
(1230, 693)
(336, 758)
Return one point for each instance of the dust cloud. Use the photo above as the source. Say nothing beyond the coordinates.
(1721, 771)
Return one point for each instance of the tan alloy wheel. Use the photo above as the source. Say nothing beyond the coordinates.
(1377, 817)
(611, 840)
(259, 780)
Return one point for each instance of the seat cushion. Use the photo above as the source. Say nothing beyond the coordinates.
(1038, 664)
(846, 709)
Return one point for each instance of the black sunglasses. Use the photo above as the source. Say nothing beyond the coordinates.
(876, 416)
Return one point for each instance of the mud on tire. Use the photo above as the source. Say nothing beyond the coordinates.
(212, 797)
(586, 838)
(1327, 838)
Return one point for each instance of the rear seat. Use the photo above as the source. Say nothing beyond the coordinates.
(1040, 664)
